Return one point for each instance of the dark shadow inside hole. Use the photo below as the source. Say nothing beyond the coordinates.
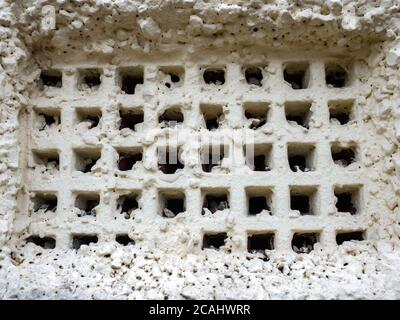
(92, 118)
(300, 119)
(124, 239)
(90, 163)
(295, 77)
(171, 116)
(301, 203)
(254, 76)
(212, 123)
(255, 125)
(212, 159)
(345, 202)
(343, 157)
(130, 119)
(91, 78)
(212, 116)
(335, 76)
(126, 161)
(87, 204)
(49, 119)
(80, 240)
(45, 203)
(45, 242)
(297, 163)
(260, 242)
(215, 203)
(342, 116)
(174, 77)
(173, 206)
(54, 160)
(257, 121)
(304, 242)
(129, 83)
(298, 112)
(260, 163)
(349, 236)
(127, 204)
(51, 79)
(257, 205)
(86, 161)
(170, 163)
(214, 241)
(214, 76)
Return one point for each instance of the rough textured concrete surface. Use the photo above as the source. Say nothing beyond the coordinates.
(298, 101)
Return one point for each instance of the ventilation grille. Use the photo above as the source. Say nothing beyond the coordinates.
(266, 156)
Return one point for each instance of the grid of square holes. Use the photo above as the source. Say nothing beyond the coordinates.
(298, 189)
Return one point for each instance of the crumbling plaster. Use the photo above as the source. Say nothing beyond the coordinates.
(34, 35)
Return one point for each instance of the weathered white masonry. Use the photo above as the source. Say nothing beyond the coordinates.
(186, 149)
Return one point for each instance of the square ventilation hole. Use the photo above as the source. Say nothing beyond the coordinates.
(214, 76)
(259, 200)
(87, 204)
(128, 158)
(89, 79)
(44, 242)
(86, 159)
(47, 158)
(215, 200)
(44, 202)
(80, 240)
(336, 75)
(256, 114)
(124, 240)
(213, 116)
(214, 240)
(344, 236)
(301, 157)
(127, 204)
(258, 156)
(297, 74)
(169, 159)
(172, 76)
(47, 118)
(50, 78)
(348, 199)
(341, 111)
(131, 118)
(298, 113)
(343, 155)
(303, 199)
(212, 156)
(171, 117)
(130, 79)
(253, 75)
(172, 203)
(88, 117)
(259, 242)
(304, 242)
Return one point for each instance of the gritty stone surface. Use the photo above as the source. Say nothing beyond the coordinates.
(166, 261)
